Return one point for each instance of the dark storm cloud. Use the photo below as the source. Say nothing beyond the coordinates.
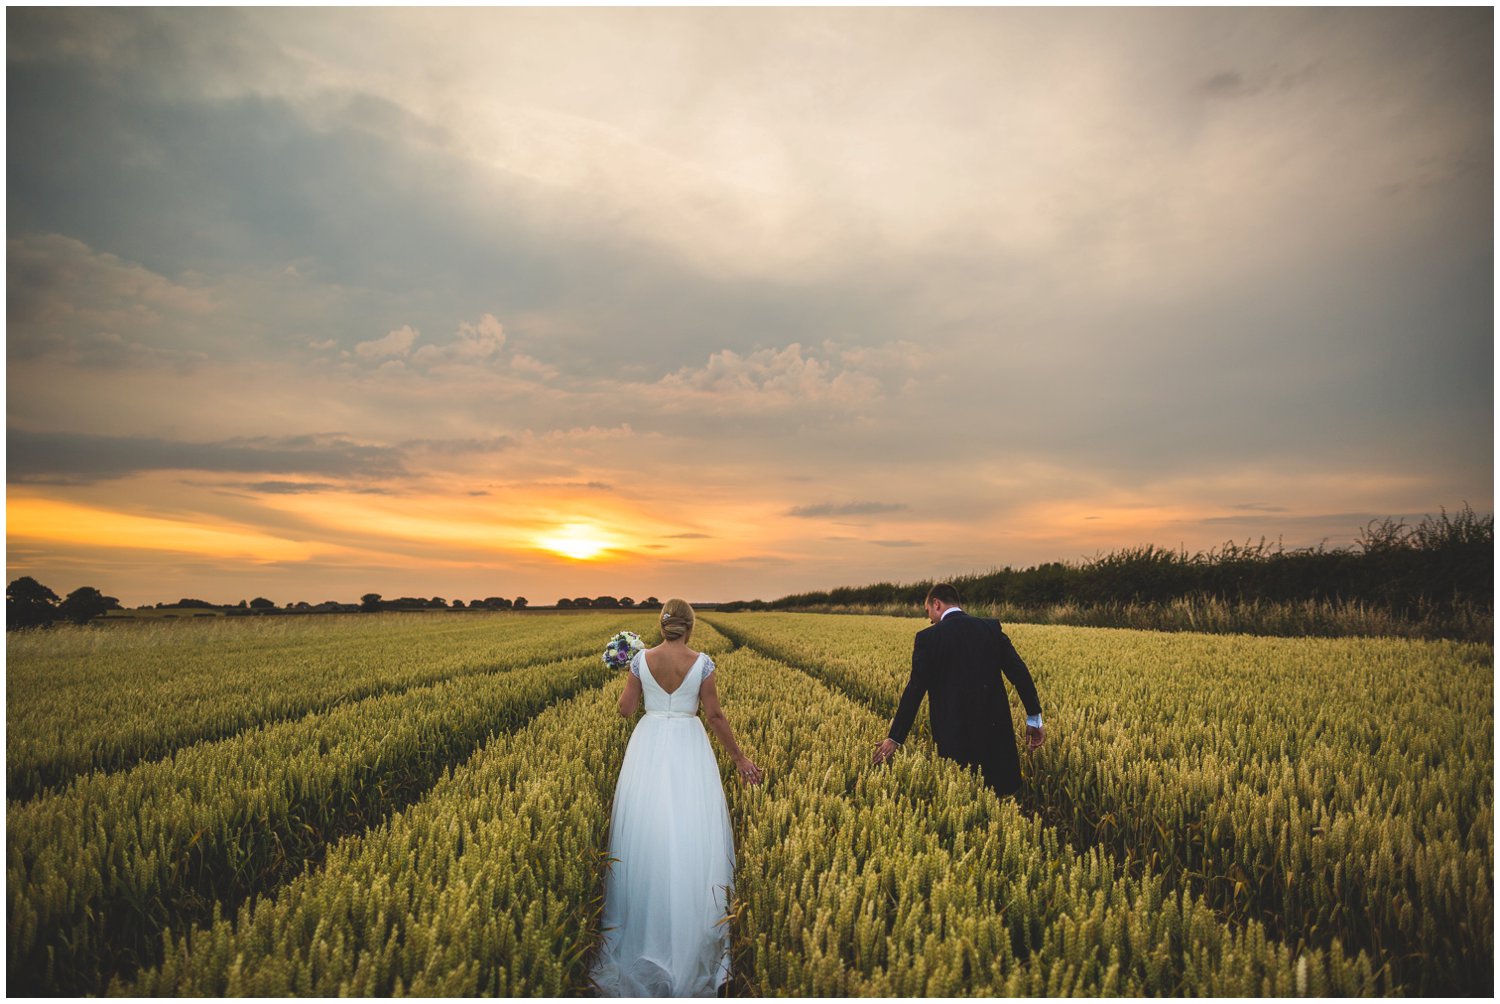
(43, 457)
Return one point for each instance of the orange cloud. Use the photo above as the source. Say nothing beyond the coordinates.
(42, 519)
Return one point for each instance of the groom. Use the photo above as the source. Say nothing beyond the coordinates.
(955, 662)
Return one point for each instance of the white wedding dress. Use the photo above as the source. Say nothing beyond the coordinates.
(667, 894)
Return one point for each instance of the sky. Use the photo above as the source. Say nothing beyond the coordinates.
(731, 304)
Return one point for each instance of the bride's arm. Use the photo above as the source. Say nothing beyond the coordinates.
(716, 720)
(630, 697)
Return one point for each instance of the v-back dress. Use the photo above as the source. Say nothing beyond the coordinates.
(667, 894)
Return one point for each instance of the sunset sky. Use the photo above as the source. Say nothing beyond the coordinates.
(731, 303)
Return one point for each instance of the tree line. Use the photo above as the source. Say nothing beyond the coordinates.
(605, 603)
(1440, 568)
(28, 604)
(374, 603)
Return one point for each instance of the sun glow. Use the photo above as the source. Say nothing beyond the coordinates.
(578, 541)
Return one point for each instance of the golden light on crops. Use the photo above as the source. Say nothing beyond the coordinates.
(578, 541)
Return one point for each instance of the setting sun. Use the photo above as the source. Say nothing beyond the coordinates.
(575, 540)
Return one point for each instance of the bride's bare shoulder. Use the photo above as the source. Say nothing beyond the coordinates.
(673, 659)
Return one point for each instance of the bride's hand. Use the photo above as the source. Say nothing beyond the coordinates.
(749, 773)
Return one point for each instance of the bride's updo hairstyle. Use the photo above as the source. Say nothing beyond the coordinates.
(676, 620)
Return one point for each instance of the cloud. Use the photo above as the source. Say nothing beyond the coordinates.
(822, 509)
(897, 543)
(527, 367)
(97, 309)
(1228, 84)
(458, 447)
(76, 458)
(289, 487)
(593, 433)
(396, 343)
(1339, 523)
(476, 350)
(307, 488)
(473, 343)
(774, 377)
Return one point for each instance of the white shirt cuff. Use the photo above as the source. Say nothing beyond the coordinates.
(1035, 721)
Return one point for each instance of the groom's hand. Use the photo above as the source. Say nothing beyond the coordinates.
(1034, 737)
(883, 751)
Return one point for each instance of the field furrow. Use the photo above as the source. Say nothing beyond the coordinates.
(1293, 783)
(915, 880)
(487, 886)
(172, 685)
(98, 871)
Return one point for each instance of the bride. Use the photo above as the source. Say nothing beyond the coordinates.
(667, 894)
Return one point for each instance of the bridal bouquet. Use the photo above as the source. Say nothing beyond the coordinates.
(621, 649)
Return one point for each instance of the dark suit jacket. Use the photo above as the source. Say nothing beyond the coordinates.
(957, 663)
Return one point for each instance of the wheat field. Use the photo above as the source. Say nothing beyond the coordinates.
(418, 804)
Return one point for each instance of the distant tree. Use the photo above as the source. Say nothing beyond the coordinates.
(370, 603)
(85, 603)
(520, 603)
(28, 603)
(196, 604)
(582, 601)
(261, 603)
(460, 605)
(626, 601)
(243, 605)
(438, 603)
(303, 605)
(409, 603)
(606, 602)
(652, 601)
(564, 604)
